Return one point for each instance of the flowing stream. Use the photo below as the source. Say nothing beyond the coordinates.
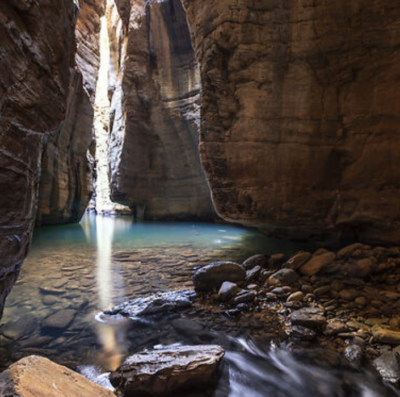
(74, 272)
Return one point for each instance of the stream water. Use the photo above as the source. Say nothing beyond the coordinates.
(74, 272)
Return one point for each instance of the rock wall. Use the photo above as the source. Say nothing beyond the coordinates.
(67, 164)
(34, 85)
(154, 157)
(300, 114)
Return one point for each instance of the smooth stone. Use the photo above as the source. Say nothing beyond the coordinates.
(311, 317)
(51, 290)
(349, 294)
(50, 300)
(297, 261)
(188, 327)
(349, 250)
(256, 260)
(317, 263)
(212, 276)
(303, 333)
(227, 291)
(244, 296)
(162, 372)
(295, 297)
(388, 367)
(253, 273)
(322, 290)
(59, 320)
(334, 327)
(283, 277)
(154, 304)
(276, 260)
(383, 335)
(361, 301)
(35, 376)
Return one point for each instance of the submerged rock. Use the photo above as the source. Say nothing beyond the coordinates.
(161, 372)
(59, 320)
(35, 376)
(154, 304)
(213, 275)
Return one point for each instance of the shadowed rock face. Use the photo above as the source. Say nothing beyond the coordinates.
(300, 114)
(154, 158)
(66, 179)
(34, 86)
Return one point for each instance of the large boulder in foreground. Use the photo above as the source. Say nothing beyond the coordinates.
(155, 304)
(213, 275)
(36, 376)
(161, 372)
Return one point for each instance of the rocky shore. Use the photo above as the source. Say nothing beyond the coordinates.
(346, 302)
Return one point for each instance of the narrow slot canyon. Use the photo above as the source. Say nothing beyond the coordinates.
(199, 198)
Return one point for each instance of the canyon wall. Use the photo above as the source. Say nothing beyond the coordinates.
(154, 157)
(36, 54)
(67, 163)
(301, 114)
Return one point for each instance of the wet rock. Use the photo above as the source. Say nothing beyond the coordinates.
(227, 291)
(349, 250)
(162, 372)
(283, 277)
(317, 263)
(321, 291)
(354, 353)
(383, 335)
(253, 273)
(276, 260)
(303, 333)
(311, 317)
(50, 300)
(244, 296)
(349, 294)
(154, 304)
(59, 320)
(388, 367)
(297, 261)
(51, 290)
(256, 260)
(361, 301)
(296, 297)
(38, 376)
(334, 327)
(96, 374)
(18, 329)
(188, 327)
(213, 275)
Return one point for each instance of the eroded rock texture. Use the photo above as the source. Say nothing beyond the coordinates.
(36, 47)
(155, 165)
(301, 114)
(66, 180)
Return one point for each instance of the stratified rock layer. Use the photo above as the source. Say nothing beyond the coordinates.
(300, 114)
(37, 44)
(36, 376)
(66, 180)
(154, 156)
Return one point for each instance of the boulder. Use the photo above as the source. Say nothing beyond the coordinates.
(297, 261)
(35, 376)
(212, 276)
(154, 304)
(283, 277)
(162, 372)
(256, 260)
(388, 367)
(310, 317)
(317, 263)
(227, 291)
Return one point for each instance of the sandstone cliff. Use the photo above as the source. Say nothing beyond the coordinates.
(154, 158)
(67, 164)
(37, 45)
(300, 114)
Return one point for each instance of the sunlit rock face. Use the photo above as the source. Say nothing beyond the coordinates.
(301, 114)
(154, 157)
(37, 44)
(67, 163)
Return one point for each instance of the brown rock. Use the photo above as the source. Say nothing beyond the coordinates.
(383, 335)
(297, 261)
(35, 376)
(316, 263)
(164, 371)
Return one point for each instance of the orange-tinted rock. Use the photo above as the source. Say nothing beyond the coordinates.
(300, 114)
